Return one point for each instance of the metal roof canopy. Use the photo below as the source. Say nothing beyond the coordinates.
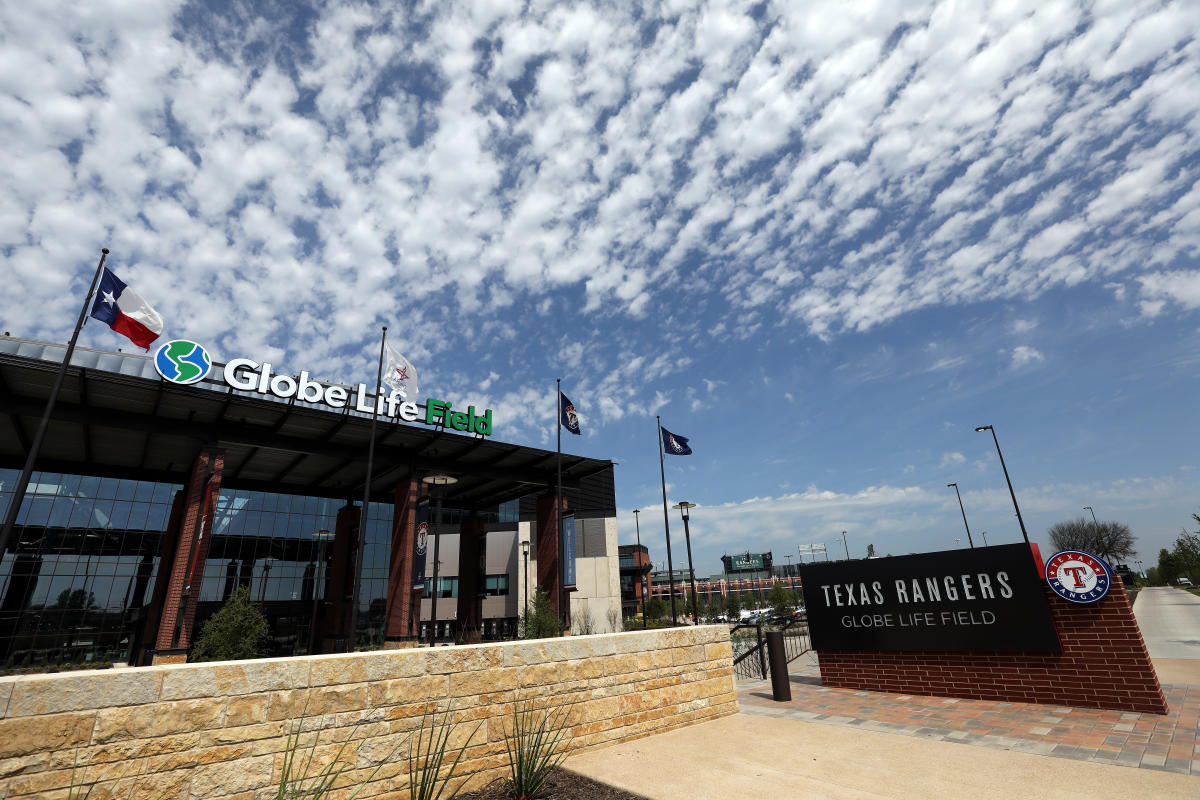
(112, 420)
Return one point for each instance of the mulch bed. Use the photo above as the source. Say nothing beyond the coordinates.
(562, 785)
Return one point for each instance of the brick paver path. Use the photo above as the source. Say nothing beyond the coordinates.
(1150, 741)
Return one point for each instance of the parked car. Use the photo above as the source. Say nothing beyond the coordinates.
(1183, 582)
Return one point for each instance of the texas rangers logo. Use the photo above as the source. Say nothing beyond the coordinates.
(572, 417)
(676, 446)
(422, 538)
(1078, 576)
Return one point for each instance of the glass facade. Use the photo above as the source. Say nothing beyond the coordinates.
(280, 547)
(78, 586)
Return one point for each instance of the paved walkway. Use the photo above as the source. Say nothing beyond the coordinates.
(1170, 622)
(1149, 741)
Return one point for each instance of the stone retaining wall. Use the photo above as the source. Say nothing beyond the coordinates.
(218, 730)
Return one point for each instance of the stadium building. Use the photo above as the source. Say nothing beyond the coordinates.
(154, 498)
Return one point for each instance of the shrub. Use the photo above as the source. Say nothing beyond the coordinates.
(235, 632)
(542, 621)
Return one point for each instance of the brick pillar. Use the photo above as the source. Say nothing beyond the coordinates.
(399, 627)
(549, 572)
(472, 572)
(339, 587)
(183, 571)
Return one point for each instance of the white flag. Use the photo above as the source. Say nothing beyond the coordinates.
(399, 375)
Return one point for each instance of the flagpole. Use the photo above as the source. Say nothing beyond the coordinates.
(362, 514)
(562, 591)
(18, 496)
(662, 471)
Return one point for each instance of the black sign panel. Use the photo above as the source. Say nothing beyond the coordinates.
(987, 599)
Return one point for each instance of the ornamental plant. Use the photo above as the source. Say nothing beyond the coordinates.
(536, 748)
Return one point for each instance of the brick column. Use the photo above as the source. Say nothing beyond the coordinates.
(472, 572)
(399, 627)
(183, 571)
(549, 571)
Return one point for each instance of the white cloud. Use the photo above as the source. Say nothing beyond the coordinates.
(951, 459)
(1023, 355)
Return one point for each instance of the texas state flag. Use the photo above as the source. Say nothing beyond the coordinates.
(124, 310)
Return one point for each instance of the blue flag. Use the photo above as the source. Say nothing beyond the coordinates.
(675, 445)
(566, 414)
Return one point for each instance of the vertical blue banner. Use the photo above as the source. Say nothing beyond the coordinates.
(567, 551)
(420, 546)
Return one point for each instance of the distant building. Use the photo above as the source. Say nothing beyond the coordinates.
(635, 567)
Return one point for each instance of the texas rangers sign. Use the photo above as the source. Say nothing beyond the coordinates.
(1078, 576)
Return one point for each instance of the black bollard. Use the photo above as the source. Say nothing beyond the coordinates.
(781, 688)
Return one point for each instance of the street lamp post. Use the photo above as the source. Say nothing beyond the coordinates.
(268, 562)
(525, 553)
(845, 545)
(321, 536)
(684, 506)
(985, 544)
(1011, 493)
(964, 514)
(436, 481)
(643, 584)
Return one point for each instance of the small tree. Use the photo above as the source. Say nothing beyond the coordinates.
(656, 608)
(542, 621)
(1168, 566)
(780, 599)
(235, 632)
(1109, 540)
(733, 607)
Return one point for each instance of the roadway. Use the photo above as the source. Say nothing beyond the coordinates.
(1170, 623)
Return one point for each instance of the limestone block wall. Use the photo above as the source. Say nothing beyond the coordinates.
(219, 730)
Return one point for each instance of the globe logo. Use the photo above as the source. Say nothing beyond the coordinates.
(183, 362)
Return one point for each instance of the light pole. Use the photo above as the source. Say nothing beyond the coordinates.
(985, 544)
(643, 584)
(268, 562)
(683, 506)
(845, 545)
(1013, 494)
(525, 553)
(436, 481)
(964, 514)
(321, 536)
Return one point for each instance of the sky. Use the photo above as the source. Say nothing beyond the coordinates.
(823, 240)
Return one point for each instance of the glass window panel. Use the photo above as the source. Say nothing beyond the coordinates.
(108, 487)
(164, 492)
(137, 516)
(118, 516)
(89, 486)
(125, 489)
(144, 492)
(156, 517)
(60, 515)
(254, 501)
(270, 501)
(36, 509)
(69, 484)
(279, 524)
(81, 513)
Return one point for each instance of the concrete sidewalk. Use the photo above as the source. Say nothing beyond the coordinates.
(842, 743)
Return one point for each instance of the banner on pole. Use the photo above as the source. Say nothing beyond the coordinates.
(567, 548)
(420, 546)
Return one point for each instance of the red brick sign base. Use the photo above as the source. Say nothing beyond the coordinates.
(1103, 664)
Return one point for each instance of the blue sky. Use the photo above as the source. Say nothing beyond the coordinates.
(823, 240)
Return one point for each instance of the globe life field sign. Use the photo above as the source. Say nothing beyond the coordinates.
(185, 362)
(988, 599)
